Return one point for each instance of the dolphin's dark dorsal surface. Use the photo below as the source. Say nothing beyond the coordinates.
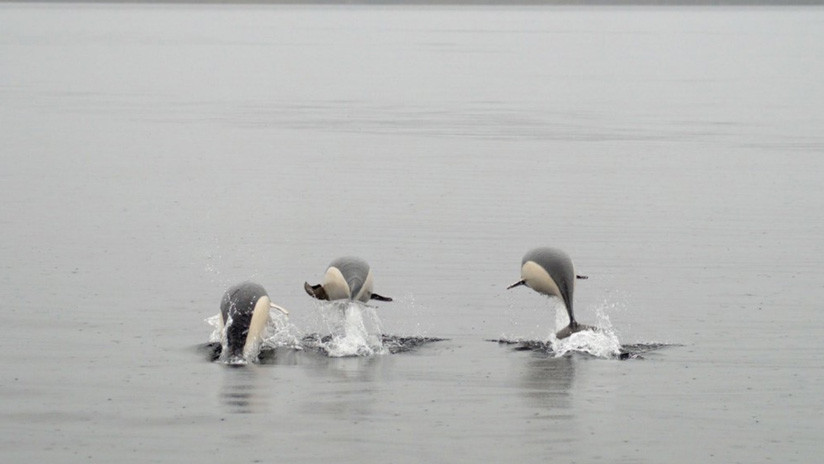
(236, 309)
(558, 265)
(355, 272)
(244, 313)
(346, 278)
(241, 299)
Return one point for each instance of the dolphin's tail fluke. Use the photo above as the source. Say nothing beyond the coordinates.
(375, 296)
(572, 328)
(315, 291)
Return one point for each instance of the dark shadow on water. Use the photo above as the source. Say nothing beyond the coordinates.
(209, 351)
(637, 350)
(631, 351)
(282, 355)
(315, 343)
(396, 344)
(393, 343)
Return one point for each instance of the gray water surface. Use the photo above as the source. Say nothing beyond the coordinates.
(153, 155)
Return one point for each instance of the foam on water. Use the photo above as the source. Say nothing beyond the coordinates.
(601, 343)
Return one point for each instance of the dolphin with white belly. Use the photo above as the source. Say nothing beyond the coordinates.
(347, 278)
(244, 312)
(549, 271)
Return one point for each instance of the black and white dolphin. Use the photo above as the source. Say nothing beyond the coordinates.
(550, 271)
(244, 312)
(347, 278)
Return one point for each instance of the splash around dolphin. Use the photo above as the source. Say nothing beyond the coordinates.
(549, 271)
(244, 314)
(346, 278)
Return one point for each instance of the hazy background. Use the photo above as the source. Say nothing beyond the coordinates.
(153, 155)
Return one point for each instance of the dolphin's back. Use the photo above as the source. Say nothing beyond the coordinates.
(241, 299)
(355, 272)
(237, 309)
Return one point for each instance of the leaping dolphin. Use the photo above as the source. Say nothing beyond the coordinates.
(244, 311)
(549, 271)
(346, 278)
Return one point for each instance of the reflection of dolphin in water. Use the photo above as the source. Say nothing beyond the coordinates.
(549, 271)
(245, 391)
(546, 381)
(346, 279)
(244, 312)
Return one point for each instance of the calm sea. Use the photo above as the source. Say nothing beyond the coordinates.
(153, 155)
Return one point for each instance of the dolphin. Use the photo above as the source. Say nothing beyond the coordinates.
(244, 312)
(347, 278)
(549, 271)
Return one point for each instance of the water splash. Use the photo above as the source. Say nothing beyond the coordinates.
(217, 328)
(343, 329)
(279, 332)
(354, 328)
(601, 343)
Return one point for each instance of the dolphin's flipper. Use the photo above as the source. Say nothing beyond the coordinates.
(315, 291)
(375, 296)
(279, 308)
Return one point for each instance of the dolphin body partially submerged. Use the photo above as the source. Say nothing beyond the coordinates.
(244, 313)
(549, 271)
(347, 278)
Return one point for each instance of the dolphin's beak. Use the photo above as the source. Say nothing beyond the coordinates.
(279, 308)
(516, 284)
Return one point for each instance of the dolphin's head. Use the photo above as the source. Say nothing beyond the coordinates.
(549, 271)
